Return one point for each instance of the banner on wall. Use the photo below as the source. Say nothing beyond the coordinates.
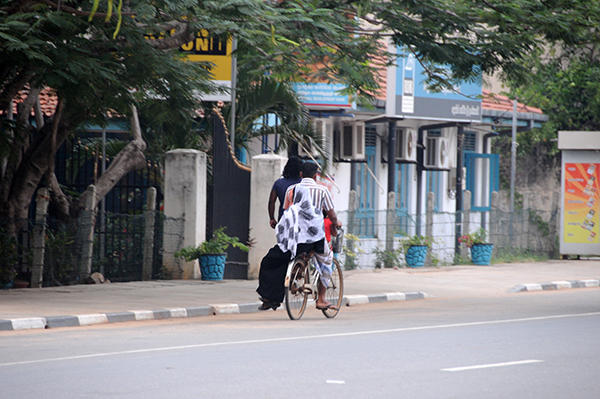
(582, 205)
(322, 95)
(414, 98)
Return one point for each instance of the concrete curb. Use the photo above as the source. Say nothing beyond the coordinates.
(555, 285)
(210, 310)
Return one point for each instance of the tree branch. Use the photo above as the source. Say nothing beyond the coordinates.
(58, 197)
(180, 37)
(28, 103)
(53, 133)
(131, 157)
(71, 10)
(39, 115)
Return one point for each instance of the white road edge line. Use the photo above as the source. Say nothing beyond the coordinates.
(298, 338)
(487, 366)
(339, 382)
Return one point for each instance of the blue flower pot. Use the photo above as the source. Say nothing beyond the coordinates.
(481, 254)
(415, 255)
(212, 266)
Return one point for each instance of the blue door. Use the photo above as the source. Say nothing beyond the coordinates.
(367, 190)
(403, 191)
(483, 176)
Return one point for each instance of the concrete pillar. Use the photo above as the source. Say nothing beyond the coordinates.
(266, 168)
(38, 239)
(493, 235)
(390, 222)
(466, 220)
(149, 221)
(525, 227)
(352, 207)
(185, 209)
(429, 224)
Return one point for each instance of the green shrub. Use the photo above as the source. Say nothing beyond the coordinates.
(218, 244)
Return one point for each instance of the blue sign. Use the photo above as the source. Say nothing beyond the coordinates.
(414, 98)
(322, 94)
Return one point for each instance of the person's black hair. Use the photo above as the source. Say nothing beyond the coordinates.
(310, 168)
(292, 168)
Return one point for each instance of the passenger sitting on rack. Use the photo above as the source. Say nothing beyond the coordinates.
(301, 228)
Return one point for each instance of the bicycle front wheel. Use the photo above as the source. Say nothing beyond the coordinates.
(296, 296)
(335, 291)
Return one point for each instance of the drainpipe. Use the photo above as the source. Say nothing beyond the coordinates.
(391, 156)
(486, 137)
(420, 161)
(458, 188)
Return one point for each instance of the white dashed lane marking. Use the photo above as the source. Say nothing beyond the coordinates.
(487, 366)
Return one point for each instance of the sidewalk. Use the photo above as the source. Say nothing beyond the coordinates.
(91, 304)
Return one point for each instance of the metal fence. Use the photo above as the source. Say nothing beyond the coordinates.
(119, 251)
(525, 232)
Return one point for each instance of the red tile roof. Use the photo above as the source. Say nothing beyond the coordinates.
(497, 102)
(490, 101)
(48, 101)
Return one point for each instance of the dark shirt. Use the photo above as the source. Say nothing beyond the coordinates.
(280, 186)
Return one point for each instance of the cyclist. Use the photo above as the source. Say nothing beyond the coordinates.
(274, 264)
(301, 228)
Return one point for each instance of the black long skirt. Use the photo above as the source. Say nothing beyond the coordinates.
(272, 274)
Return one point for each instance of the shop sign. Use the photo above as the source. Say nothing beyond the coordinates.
(322, 95)
(212, 49)
(414, 98)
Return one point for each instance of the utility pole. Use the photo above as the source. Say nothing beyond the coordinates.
(513, 164)
(233, 85)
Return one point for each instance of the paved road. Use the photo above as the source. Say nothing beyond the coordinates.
(528, 345)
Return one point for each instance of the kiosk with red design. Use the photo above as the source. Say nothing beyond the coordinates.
(580, 193)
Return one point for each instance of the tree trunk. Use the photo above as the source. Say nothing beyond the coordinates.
(129, 158)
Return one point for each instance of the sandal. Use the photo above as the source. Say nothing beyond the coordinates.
(327, 307)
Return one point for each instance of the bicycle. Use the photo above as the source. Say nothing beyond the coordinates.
(301, 281)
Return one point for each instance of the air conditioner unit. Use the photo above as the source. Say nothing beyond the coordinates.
(436, 153)
(406, 145)
(352, 141)
(321, 127)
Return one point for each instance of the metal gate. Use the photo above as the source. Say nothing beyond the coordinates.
(119, 229)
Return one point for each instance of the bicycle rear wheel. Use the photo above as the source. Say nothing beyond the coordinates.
(335, 291)
(296, 297)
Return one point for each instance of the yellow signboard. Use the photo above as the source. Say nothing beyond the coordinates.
(213, 49)
(209, 48)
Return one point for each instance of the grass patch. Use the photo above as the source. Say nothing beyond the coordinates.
(517, 256)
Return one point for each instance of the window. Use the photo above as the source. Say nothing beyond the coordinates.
(470, 141)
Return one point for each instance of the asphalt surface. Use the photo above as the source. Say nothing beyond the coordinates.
(525, 345)
(79, 305)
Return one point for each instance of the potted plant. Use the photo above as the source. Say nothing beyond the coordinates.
(386, 257)
(415, 250)
(211, 254)
(481, 250)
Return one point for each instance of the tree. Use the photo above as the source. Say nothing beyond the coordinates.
(563, 80)
(99, 63)
(48, 44)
